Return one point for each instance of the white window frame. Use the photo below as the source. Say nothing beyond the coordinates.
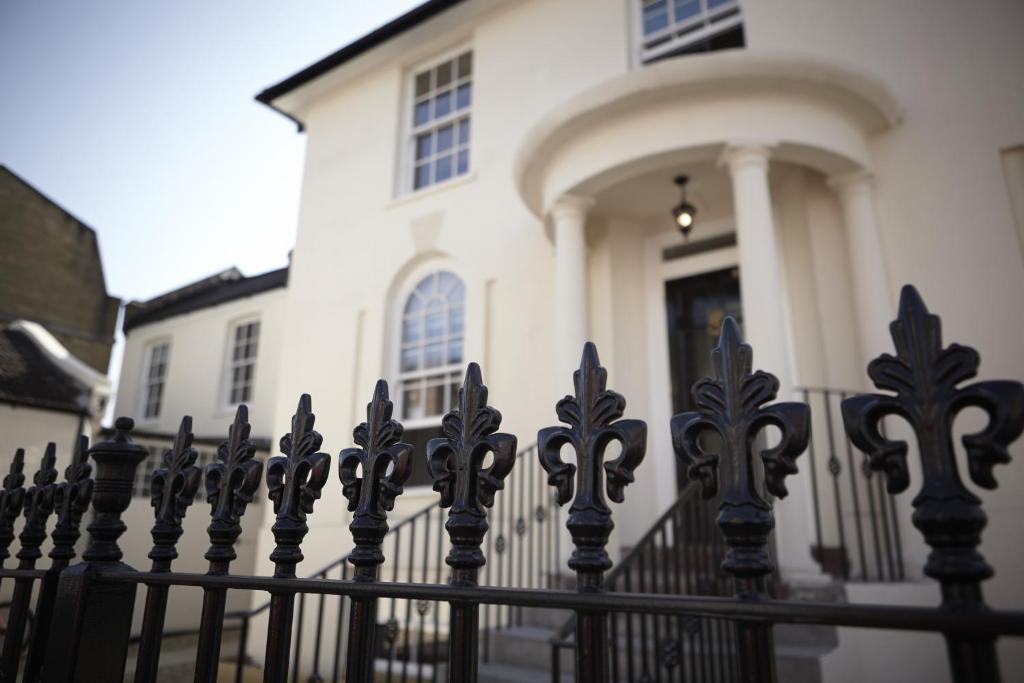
(229, 362)
(456, 370)
(706, 24)
(409, 131)
(147, 364)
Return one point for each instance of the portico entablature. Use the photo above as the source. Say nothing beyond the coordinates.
(819, 115)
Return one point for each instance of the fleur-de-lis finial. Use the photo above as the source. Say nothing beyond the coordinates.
(71, 500)
(173, 490)
(12, 499)
(231, 484)
(593, 418)
(38, 508)
(731, 405)
(294, 482)
(924, 377)
(386, 465)
(456, 463)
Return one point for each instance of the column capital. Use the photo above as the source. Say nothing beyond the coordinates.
(570, 206)
(740, 153)
(856, 180)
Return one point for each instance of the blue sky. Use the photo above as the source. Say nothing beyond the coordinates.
(139, 119)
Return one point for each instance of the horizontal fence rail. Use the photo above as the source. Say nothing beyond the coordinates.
(691, 601)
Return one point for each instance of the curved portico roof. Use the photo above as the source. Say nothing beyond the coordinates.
(816, 113)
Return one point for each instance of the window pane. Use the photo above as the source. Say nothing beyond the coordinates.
(463, 163)
(421, 114)
(446, 282)
(422, 176)
(412, 402)
(444, 74)
(465, 64)
(464, 132)
(686, 9)
(445, 138)
(457, 294)
(433, 355)
(423, 146)
(455, 351)
(455, 321)
(435, 325)
(410, 359)
(414, 304)
(422, 84)
(453, 388)
(443, 104)
(463, 95)
(412, 330)
(655, 16)
(443, 168)
(716, 3)
(435, 399)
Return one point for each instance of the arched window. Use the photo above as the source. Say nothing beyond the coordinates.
(431, 349)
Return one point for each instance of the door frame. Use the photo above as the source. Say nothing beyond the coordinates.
(657, 272)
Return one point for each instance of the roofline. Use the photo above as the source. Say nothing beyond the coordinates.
(393, 28)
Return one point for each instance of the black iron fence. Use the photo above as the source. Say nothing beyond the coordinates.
(856, 524)
(84, 610)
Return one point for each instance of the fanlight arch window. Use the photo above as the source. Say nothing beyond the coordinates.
(431, 348)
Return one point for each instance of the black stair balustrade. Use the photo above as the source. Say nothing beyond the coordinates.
(856, 524)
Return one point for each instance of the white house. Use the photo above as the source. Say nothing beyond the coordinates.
(493, 180)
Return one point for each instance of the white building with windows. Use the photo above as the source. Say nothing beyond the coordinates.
(493, 180)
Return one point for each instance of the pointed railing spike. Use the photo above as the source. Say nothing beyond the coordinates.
(39, 503)
(386, 464)
(71, 500)
(294, 481)
(593, 418)
(12, 501)
(231, 484)
(173, 490)
(456, 463)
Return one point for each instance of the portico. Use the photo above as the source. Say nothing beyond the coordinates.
(779, 150)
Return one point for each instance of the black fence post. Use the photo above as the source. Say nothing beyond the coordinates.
(924, 377)
(593, 418)
(370, 498)
(731, 406)
(92, 620)
(173, 490)
(294, 482)
(71, 500)
(467, 487)
(12, 501)
(231, 484)
(37, 510)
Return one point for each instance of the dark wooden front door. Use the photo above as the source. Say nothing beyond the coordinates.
(696, 306)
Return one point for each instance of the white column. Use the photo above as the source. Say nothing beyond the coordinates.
(762, 290)
(569, 216)
(872, 295)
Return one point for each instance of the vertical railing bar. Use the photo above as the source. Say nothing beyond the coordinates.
(690, 550)
(437, 579)
(873, 516)
(392, 638)
(814, 488)
(243, 636)
(486, 609)
(655, 621)
(297, 655)
(520, 560)
(900, 575)
(319, 634)
(707, 563)
(641, 571)
(628, 578)
(882, 495)
(408, 602)
(339, 628)
(531, 522)
(423, 612)
(834, 470)
(854, 491)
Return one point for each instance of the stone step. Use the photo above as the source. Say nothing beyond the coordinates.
(523, 646)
